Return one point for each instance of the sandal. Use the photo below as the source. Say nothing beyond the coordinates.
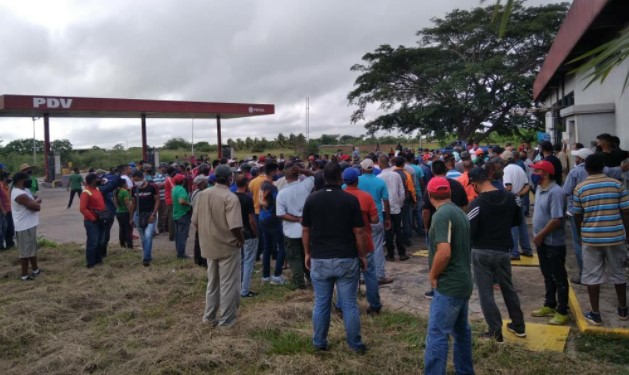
(249, 295)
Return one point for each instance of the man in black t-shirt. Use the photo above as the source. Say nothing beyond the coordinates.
(332, 234)
(250, 231)
(491, 216)
(547, 153)
(271, 227)
(143, 210)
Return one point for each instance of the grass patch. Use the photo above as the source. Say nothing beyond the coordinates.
(44, 243)
(284, 342)
(611, 349)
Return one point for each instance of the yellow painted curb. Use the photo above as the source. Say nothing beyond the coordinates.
(584, 326)
(540, 337)
(420, 253)
(526, 261)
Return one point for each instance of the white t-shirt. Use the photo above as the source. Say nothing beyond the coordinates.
(128, 181)
(515, 176)
(23, 218)
(290, 200)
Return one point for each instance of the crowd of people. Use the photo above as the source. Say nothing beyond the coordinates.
(334, 221)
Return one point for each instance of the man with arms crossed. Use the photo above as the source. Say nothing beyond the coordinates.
(25, 210)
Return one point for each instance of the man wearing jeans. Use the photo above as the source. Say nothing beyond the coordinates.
(549, 229)
(334, 245)
(491, 216)
(451, 279)
(516, 181)
(92, 201)
(143, 211)
(378, 189)
(250, 233)
(289, 208)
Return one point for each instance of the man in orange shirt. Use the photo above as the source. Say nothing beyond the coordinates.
(254, 187)
(92, 202)
(370, 215)
(465, 181)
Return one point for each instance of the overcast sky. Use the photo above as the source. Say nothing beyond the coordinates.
(254, 51)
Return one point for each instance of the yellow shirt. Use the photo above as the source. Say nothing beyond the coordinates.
(217, 212)
(254, 188)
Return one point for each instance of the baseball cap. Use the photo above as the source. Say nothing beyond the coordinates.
(223, 171)
(132, 164)
(438, 185)
(479, 152)
(2, 166)
(465, 154)
(477, 174)
(179, 178)
(197, 180)
(262, 159)
(24, 167)
(582, 153)
(100, 171)
(545, 166)
(350, 175)
(367, 164)
(507, 155)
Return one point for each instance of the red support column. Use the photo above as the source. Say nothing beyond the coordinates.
(218, 133)
(49, 165)
(145, 156)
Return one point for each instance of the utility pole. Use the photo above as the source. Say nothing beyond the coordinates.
(308, 120)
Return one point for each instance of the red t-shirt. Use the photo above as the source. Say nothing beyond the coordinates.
(168, 191)
(368, 209)
(91, 199)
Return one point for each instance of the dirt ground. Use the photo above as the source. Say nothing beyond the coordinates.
(410, 278)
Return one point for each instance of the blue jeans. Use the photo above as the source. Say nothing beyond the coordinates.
(377, 234)
(95, 232)
(146, 238)
(371, 284)
(526, 203)
(448, 317)
(273, 238)
(407, 220)
(182, 229)
(520, 235)
(325, 274)
(576, 240)
(247, 261)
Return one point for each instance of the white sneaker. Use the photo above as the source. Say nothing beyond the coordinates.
(277, 280)
(266, 279)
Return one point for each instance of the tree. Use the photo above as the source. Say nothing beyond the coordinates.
(23, 146)
(177, 144)
(118, 147)
(281, 141)
(61, 146)
(460, 76)
(202, 146)
(329, 139)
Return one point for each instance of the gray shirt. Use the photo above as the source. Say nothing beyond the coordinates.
(550, 203)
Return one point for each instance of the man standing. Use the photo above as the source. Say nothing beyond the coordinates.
(181, 215)
(271, 227)
(547, 154)
(515, 180)
(162, 216)
(576, 175)
(92, 202)
(397, 196)
(378, 189)
(143, 211)
(334, 246)
(201, 182)
(370, 215)
(250, 232)
(25, 168)
(25, 210)
(218, 218)
(451, 279)
(410, 199)
(550, 239)
(491, 218)
(75, 186)
(601, 209)
(290, 205)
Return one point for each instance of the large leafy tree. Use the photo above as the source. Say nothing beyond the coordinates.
(460, 79)
(177, 144)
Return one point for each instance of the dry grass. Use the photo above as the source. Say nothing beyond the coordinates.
(123, 318)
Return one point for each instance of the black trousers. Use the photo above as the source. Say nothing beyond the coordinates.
(125, 234)
(198, 259)
(72, 192)
(552, 262)
(10, 232)
(395, 232)
(103, 246)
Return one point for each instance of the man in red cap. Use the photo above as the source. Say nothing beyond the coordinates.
(182, 213)
(451, 279)
(549, 230)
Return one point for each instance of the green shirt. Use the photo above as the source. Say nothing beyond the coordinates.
(75, 181)
(450, 225)
(121, 207)
(34, 186)
(180, 210)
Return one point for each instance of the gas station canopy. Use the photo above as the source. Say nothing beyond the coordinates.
(80, 107)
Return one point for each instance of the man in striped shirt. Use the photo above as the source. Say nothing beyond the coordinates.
(601, 212)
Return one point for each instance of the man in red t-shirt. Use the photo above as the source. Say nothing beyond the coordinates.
(370, 215)
(169, 184)
(92, 202)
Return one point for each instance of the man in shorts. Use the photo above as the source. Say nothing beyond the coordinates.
(601, 212)
(25, 210)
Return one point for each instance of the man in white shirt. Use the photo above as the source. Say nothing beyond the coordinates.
(289, 206)
(516, 181)
(395, 187)
(25, 208)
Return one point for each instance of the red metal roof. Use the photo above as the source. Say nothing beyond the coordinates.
(579, 18)
(64, 106)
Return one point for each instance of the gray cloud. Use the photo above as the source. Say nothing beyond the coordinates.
(269, 51)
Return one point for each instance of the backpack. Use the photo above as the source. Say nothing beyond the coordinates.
(408, 196)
